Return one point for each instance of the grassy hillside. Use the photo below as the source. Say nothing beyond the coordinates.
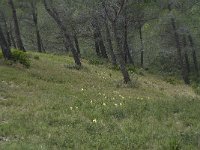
(51, 106)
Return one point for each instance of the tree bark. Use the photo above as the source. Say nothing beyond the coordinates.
(35, 20)
(194, 56)
(16, 26)
(187, 61)
(53, 13)
(120, 55)
(77, 44)
(109, 41)
(184, 71)
(127, 55)
(142, 45)
(4, 45)
(96, 42)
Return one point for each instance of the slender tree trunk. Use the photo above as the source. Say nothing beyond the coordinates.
(4, 45)
(77, 44)
(142, 45)
(16, 26)
(187, 61)
(128, 57)
(119, 55)
(6, 30)
(101, 44)
(13, 43)
(53, 13)
(184, 71)
(96, 41)
(194, 56)
(109, 41)
(35, 20)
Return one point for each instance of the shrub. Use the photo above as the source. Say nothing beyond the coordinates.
(1, 55)
(21, 57)
(36, 57)
(96, 61)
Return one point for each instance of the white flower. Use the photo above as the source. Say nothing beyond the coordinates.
(76, 107)
(94, 121)
(120, 104)
(104, 104)
(116, 105)
(71, 108)
(82, 89)
(91, 101)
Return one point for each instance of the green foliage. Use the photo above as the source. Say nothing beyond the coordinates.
(36, 57)
(96, 61)
(21, 57)
(92, 112)
(172, 80)
(1, 55)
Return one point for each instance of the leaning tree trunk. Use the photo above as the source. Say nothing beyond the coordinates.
(128, 57)
(35, 20)
(120, 55)
(16, 26)
(54, 14)
(109, 41)
(184, 71)
(13, 43)
(8, 37)
(194, 56)
(4, 45)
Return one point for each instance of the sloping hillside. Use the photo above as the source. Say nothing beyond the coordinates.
(51, 106)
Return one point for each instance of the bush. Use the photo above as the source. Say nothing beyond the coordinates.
(96, 61)
(21, 57)
(1, 55)
(36, 57)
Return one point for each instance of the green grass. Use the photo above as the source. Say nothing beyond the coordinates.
(50, 106)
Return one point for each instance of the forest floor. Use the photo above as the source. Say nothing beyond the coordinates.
(53, 106)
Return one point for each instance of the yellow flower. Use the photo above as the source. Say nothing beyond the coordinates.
(94, 121)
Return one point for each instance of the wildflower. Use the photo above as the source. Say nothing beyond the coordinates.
(148, 98)
(104, 104)
(91, 101)
(116, 105)
(113, 98)
(71, 108)
(82, 89)
(138, 98)
(142, 98)
(120, 104)
(94, 121)
(76, 107)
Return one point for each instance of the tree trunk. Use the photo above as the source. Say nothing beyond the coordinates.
(187, 61)
(16, 26)
(184, 71)
(119, 55)
(53, 13)
(96, 42)
(109, 41)
(128, 57)
(142, 45)
(35, 20)
(13, 43)
(8, 38)
(194, 56)
(4, 45)
(77, 44)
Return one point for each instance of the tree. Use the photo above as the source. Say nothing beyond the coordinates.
(55, 15)
(4, 45)
(16, 26)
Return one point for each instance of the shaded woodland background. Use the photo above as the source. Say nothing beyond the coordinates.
(158, 35)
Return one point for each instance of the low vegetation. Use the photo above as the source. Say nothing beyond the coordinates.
(51, 106)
